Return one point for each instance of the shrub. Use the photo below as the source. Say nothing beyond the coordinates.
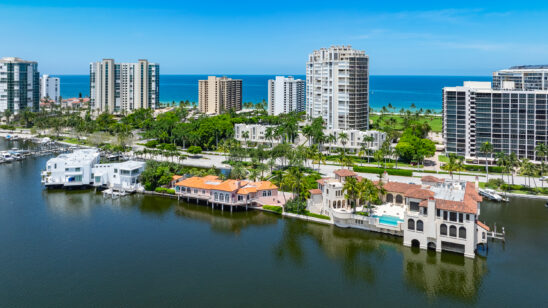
(274, 208)
(400, 172)
(160, 189)
(195, 150)
(296, 206)
(151, 144)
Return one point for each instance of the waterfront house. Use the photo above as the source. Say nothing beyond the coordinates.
(82, 168)
(121, 176)
(231, 193)
(437, 214)
(71, 169)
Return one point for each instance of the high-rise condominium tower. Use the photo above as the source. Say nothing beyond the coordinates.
(285, 94)
(50, 87)
(525, 77)
(124, 86)
(337, 87)
(19, 85)
(513, 119)
(219, 94)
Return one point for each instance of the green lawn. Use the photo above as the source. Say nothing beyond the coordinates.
(433, 121)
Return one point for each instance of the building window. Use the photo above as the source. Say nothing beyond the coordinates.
(467, 216)
(461, 217)
(413, 206)
(389, 198)
(443, 229)
(444, 215)
(453, 231)
(420, 225)
(410, 224)
(334, 204)
(453, 216)
(399, 199)
(462, 232)
(438, 212)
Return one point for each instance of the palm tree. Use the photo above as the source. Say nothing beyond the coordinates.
(344, 138)
(245, 135)
(502, 161)
(451, 165)
(368, 192)
(541, 152)
(460, 164)
(529, 170)
(351, 189)
(253, 174)
(269, 134)
(487, 149)
(514, 163)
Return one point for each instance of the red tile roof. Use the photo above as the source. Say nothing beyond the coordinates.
(419, 193)
(431, 179)
(345, 172)
(468, 205)
(315, 191)
(482, 225)
(398, 187)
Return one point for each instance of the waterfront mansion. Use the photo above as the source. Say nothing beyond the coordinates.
(82, 168)
(437, 214)
(232, 193)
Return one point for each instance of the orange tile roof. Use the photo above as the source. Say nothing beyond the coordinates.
(345, 172)
(419, 193)
(431, 179)
(482, 225)
(469, 204)
(399, 187)
(322, 181)
(176, 177)
(315, 191)
(262, 185)
(247, 190)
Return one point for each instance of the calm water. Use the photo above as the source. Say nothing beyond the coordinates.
(76, 249)
(400, 91)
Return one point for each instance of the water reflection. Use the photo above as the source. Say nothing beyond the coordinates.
(70, 203)
(363, 258)
(444, 274)
(225, 222)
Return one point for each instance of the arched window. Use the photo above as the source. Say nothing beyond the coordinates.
(339, 204)
(216, 197)
(411, 224)
(420, 225)
(222, 197)
(453, 231)
(334, 204)
(462, 232)
(344, 203)
(443, 229)
(389, 198)
(399, 199)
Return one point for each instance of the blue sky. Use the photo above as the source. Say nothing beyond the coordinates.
(275, 37)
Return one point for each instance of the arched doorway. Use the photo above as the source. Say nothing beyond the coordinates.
(389, 198)
(399, 199)
(431, 246)
(415, 243)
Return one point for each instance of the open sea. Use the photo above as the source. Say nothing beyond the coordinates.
(401, 91)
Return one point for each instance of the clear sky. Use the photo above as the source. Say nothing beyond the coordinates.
(275, 37)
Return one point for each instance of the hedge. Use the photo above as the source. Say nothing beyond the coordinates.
(274, 208)
(317, 215)
(165, 190)
(390, 171)
(494, 169)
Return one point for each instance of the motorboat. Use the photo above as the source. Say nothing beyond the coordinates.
(492, 195)
(6, 156)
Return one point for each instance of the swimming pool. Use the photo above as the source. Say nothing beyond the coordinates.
(388, 220)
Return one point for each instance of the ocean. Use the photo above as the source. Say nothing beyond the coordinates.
(400, 91)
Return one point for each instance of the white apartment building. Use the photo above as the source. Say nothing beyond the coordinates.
(50, 87)
(219, 94)
(524, 77)
(355, 139)
(285, 94)
(117, 87)
(512, 120)
(19, 85)
(337, 87)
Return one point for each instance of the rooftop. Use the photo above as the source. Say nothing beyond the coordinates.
(77, 157)
(529, 67)
(345, 172)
